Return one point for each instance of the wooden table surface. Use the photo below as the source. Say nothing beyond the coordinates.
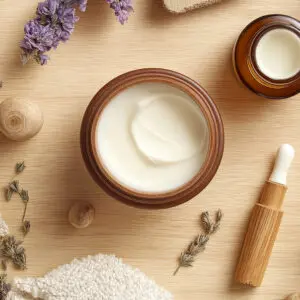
(198, 44)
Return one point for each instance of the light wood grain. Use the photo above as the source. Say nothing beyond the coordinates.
(198, 44)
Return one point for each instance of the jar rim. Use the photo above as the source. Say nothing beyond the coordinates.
(260, 34)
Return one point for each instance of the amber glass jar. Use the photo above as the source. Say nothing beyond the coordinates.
(245, 59)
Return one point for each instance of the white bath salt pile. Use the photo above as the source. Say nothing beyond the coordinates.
(100, 277)
(3, 227)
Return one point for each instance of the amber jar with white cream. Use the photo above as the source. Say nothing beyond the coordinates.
(152, 138)
(266, 56)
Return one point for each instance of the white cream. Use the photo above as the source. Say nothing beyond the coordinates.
(278, 54)
(152, 137)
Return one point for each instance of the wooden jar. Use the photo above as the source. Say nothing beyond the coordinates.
(141, 199)
(246, 67)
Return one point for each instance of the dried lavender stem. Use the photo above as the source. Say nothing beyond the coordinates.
(19, 168)
(177, 269)
(198, 244)
(24, 213)
(14, 187)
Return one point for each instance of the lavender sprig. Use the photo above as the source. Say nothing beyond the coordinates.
(54, 23)
(187, 257)
(122, 9)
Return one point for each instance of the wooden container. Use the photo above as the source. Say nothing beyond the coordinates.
(152, 200)
(245, 64)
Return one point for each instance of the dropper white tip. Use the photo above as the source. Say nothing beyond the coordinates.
(285, 155)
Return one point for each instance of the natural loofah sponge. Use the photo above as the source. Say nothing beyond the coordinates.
(101, 277)
(181, 6)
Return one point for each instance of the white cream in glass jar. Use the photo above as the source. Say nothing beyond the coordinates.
(278, 54)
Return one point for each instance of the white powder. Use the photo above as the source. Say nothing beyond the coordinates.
(100, 277)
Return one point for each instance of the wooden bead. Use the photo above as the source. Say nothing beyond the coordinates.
(20, 120)
(81, 214)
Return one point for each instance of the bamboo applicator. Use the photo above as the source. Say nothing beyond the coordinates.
(264, 222)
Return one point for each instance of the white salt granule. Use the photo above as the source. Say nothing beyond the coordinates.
(100, 277)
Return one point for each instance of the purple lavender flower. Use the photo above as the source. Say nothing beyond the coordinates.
(54, 23)
(122, 9)
(38, 37)
(47, 8)
(80, 3)
(38, 40)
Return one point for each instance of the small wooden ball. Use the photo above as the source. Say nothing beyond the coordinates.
(81, 214)
(20, 119)
(295, 296)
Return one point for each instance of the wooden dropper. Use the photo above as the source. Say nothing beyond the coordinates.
(264, 222)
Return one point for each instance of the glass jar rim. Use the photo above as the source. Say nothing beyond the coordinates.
(259, 35)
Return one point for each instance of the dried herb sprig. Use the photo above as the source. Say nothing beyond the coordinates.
(4, 287)
(195, 247)
(20, 166)
(187, 257)
(209, 226)
(54, 23)
(26, 227)
(219, 217)
(25, 223)
(14, 187)
(10, 248)
(24, 195)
